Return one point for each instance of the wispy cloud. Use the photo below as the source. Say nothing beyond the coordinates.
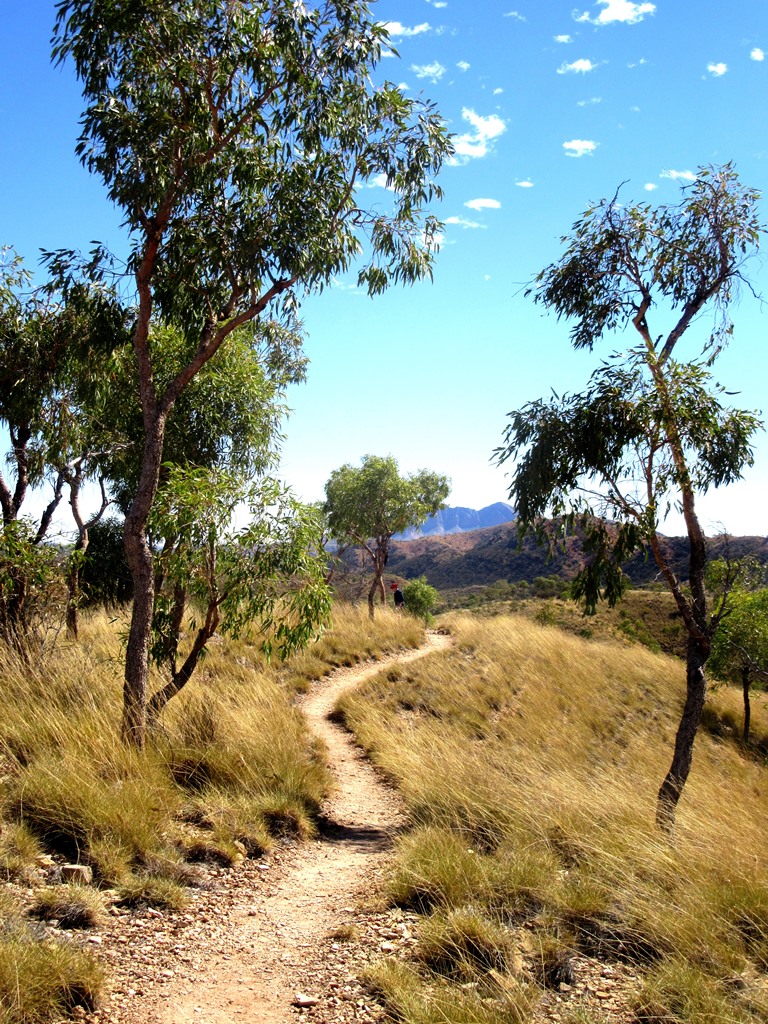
(462, 222)
(650, 187)
(524, 184)
(580, 147)
(497, 92)
(479, 141)
(617, 10)
(578, 67)
(563, 39)
(515, 14)
(437, 3)
(757, 54)
(638, 63)
(463, 66)
(378, 181)
(434, 72)
(396, 28)
(591, 102)
(483, 204)
(678, 175)
(718, 70)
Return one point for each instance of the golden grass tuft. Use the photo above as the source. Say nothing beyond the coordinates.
(530, 761)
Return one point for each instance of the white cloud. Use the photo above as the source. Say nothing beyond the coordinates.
(477, 143)
(483, 204)
(718, 70)
(580, 147)
(579, 67)
(463, 66)
(378, 181)
(437, 3)
(396, 28)
(638, 63)
(563, 39)
(497, 92)
(514, 14)
(591, 102)
(434, 72)
(618, 10)
(524, 184)
(650, 187)
(757, 54)
(678, 175)
(462, 222)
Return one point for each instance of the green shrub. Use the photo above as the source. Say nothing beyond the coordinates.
(420, 598)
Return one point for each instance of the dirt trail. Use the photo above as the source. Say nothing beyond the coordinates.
(276, 942)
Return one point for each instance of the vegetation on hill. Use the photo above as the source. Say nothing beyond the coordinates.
(483, 557)
(527, 759)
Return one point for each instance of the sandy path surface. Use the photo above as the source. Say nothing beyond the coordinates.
(275, 950)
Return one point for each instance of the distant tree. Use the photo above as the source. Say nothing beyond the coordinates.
(367, 505)
(649, 431)
(740, 642)
(420, 598)
(233, 137)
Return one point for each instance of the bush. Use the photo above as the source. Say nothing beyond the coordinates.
(420, 598)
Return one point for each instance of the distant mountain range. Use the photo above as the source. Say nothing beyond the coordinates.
(480, 557)
(460, 520)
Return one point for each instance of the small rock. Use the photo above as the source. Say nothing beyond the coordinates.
(303, 1000)
(77, 873)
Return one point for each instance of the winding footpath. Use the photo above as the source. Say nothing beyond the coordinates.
(276, 962)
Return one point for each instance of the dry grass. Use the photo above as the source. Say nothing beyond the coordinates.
(230, 770)
(530, 762)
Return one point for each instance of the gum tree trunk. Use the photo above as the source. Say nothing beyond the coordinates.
(139, 557)
(694, 612)
(682, 758)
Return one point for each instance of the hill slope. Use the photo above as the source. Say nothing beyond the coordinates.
(481, 557)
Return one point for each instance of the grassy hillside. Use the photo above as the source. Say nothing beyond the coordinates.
(529, 758)
(530, 762)
(231, 769)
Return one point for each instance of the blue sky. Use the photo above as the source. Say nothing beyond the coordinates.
(554, 104)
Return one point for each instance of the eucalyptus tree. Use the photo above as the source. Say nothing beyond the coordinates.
(367, 505)
(651, 430)
(740, 643)
(267, 575)
(52, 351)
(48, 349)
(235, 137)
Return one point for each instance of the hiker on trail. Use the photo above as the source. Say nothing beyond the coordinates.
(398, 596)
